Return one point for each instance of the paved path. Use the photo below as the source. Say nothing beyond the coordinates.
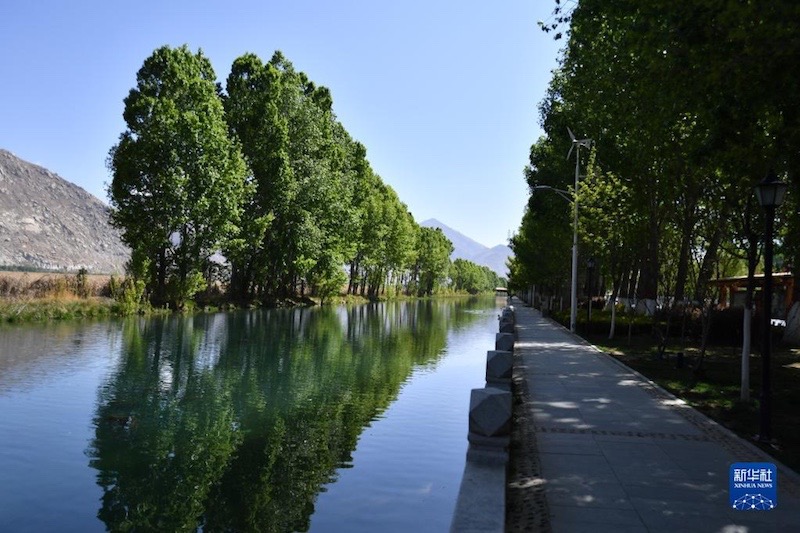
(598, 447)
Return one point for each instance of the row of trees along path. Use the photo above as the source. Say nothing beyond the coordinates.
(689, 105)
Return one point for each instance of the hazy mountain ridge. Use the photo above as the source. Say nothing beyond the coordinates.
(49, 223)
(466, 248)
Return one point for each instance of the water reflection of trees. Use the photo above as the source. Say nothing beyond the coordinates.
(235, 421)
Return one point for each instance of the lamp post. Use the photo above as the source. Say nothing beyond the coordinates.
(573, 309)
(770, 193)
(589, 271)
(576, 145)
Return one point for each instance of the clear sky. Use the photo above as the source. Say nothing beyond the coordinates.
(443, 94)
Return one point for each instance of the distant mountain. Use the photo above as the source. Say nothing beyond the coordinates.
(49, 223)
(495, 258)
(466, 248)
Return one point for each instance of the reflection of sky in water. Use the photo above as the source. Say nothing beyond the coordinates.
(48, 391)
(34, 352)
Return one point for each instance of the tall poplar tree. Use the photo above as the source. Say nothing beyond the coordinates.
(433, 259)
(301, 210)
(178, 178)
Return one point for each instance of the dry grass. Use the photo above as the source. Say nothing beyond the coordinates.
(37, 296)
(26, 286)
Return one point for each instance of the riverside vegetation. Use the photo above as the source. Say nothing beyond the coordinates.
(35, 296)
(263, 173)
(253, 195)
(27, 296)
(688, 105)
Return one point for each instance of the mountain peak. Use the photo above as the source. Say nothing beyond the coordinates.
(466, 248)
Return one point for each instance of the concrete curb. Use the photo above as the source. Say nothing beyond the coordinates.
(481, 504)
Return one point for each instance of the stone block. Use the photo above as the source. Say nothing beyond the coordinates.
(490, 412)
(488, 448)
(504, 341)
(499, 365)
(506, 326)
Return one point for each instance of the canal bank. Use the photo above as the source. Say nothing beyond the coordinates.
(597, 447)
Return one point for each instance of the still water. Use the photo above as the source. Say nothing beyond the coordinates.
(322, 419)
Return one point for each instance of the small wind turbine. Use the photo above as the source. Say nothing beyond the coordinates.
(586, 143)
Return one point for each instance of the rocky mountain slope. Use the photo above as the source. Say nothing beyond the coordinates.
(49, 223)
(466, 248)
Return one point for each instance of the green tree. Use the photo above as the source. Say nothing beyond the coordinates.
(466, 276)
(688, 106)
(303, 168)
(178, 178)
(542, 245)
(433, 259)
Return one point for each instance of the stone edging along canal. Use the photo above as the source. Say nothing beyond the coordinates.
(481, 504)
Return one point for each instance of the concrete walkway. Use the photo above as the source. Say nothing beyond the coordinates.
(598, 447)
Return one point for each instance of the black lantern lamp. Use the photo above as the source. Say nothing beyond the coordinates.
(770, 193)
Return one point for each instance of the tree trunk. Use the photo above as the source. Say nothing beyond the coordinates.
(161, 286)
(701, 289)
(648, 284)
(613, 301)
(747, 325)
(683, 256)
(613, 321)
(746, 335)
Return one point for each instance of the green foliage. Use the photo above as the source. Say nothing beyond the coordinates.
(688, 106)
(297, 151)
(330, 284)
(433, 259)
(180, 291)
(265, 174)
(129, 295)
(177, 176)
(466, 276)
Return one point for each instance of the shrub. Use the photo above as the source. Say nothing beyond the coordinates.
(82, 283)
(128, 294)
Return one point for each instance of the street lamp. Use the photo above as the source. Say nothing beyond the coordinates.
(573, 303)
(589, 271)
(770, 193)
(576, 144)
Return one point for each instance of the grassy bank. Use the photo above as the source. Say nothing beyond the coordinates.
(39, 296)
(715, 390)
(34, 310)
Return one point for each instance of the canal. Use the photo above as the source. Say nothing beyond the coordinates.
(321, 419)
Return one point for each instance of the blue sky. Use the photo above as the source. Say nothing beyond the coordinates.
(443, 94)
